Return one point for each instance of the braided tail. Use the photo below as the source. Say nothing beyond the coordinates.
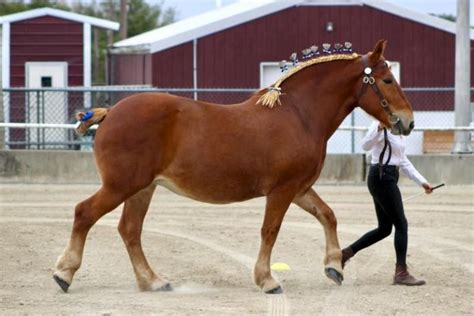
(89, 118)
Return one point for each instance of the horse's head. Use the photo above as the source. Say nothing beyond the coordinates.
(381, 95)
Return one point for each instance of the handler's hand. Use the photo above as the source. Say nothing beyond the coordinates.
(428, 188)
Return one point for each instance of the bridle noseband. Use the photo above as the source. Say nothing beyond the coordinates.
(369, 80)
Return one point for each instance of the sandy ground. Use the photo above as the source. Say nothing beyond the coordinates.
(208, 253)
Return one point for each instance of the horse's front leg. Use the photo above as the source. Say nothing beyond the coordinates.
(313, 204)
(276, 207)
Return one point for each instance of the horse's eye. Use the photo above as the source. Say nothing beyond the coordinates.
(388, 81)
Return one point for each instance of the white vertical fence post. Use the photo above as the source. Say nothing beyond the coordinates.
(462, 95)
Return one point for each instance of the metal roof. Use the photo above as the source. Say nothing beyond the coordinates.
(243, 11)
(106, 24)
(204, 24)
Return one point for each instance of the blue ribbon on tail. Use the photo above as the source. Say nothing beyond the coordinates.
(87, 116)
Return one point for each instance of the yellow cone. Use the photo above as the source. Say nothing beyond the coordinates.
(280, 266)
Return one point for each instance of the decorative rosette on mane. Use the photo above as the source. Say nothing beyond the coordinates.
(313, 56)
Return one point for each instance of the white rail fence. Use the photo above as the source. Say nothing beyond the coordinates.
(345, 140)
(32, 119)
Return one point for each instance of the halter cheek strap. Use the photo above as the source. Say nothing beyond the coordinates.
(369, 80)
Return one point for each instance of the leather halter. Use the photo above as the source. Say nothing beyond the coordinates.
(369, 80)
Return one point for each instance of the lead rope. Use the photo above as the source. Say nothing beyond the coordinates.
(386, 144)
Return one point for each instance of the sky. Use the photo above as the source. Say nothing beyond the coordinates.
(188, 8)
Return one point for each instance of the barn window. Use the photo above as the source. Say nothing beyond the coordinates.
(46, 82)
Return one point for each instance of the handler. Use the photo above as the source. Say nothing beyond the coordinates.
(382, 183)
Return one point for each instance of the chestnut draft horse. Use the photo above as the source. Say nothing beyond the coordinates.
(273, 145)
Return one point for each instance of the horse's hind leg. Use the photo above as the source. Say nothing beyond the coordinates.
(130, 228)
(86, 214)
(313, 204)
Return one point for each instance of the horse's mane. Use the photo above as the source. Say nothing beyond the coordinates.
(270, 96)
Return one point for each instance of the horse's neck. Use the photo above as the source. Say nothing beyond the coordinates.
(324, 101)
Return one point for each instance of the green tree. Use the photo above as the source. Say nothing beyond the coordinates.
(12, 6)
(143, 17)
(445, 16)
(448, 17)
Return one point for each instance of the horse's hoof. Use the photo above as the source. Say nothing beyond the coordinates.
(165, 288)
(334, 275)
(277, 290)
(62, 284)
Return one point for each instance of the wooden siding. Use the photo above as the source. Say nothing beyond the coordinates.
(421, 50)
(46, 39)
(131, 69)
(174, 67)
(231, 58)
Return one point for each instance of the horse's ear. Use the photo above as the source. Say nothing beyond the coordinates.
(377, 53)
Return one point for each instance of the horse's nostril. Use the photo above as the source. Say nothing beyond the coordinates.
(412, 125)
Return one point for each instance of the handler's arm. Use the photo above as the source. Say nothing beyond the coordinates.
(410, 171)
(373, 136)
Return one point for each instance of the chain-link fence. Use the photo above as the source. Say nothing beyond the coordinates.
(58, 106)
(433, 107)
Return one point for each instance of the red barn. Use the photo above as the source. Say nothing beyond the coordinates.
(48, 46)
(238, 46)
(45, 48)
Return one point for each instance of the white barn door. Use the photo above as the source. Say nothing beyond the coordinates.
(46, 107)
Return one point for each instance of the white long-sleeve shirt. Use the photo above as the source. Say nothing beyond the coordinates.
(374, 142)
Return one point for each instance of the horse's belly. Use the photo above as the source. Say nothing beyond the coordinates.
(170, 185)
(203, 192)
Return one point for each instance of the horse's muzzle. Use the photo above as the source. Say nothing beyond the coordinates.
(401, 126)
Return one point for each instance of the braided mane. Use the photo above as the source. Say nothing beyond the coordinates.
(272, 96)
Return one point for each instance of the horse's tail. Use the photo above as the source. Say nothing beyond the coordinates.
(89, 118)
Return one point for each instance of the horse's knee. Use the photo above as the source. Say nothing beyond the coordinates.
(332, 219)
(83, 215)
(329, 217)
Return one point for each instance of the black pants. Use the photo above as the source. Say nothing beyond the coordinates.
(389, 210)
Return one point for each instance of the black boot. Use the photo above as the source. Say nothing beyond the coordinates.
(347, 253)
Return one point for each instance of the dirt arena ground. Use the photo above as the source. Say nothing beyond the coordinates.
(208, 253)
